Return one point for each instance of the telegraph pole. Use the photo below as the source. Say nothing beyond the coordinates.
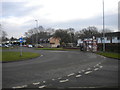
(36, 33)
(103, 29)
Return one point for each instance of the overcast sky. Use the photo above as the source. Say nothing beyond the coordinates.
(18, 16)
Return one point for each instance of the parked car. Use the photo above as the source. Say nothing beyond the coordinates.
(24, 45)
(6, 46)
(38, 46)
(0, 45)
(30, 46)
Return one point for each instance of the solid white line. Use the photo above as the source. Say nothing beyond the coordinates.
(42, 86)
(71, 74)
(63, 80)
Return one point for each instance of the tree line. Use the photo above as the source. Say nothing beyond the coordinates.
(70, 35)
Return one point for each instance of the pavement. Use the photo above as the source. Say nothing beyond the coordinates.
(61, 69)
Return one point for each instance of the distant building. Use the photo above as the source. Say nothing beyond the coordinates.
(112, 37)
(54, 42)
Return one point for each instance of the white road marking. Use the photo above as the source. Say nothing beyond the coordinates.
(88, 72)
(71, 74)
(42, 86)
(83, 70)
(88, 69)
(101, 66)
(64, 80)
(41, 55)
(78, 76)
(53, 79)
(79, 71)
(96, 69)
(44, 81)
(23, 86)
(59, 78)
(97, 65)
(36, 83)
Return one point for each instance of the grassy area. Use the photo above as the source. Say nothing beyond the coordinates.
(110, 54)
(15, 56)
(61, 49)
(4, 48)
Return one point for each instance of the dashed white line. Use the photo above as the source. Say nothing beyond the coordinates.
(88, 72)
(42, 86)
(96, 69)
(83, 70)
(78, 76)
(101, 66)
(88, 69)
(71, 74)
(44, 81)
(36, 83)
(64, 80)
(41, 55)
(97, 65)
(23, 86)
(53, 79)
(59, 78)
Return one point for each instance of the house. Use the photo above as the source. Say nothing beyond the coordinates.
(54, 42)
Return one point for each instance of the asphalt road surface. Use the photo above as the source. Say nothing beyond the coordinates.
(61, 69)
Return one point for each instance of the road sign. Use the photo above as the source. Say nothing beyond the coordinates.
(21, 40)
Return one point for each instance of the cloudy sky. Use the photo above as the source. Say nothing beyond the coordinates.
(18, 16)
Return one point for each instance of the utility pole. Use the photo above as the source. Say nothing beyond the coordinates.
(103, 29)
(37, 32)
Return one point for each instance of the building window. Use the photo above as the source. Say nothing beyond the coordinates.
(118, 38)
(108, 38)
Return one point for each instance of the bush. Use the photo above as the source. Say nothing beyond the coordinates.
(110, 47)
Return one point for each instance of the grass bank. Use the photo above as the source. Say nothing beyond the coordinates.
(15, 56)
(61, 49)
(110, 54)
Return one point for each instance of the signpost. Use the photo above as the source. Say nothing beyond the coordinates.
(21, 41)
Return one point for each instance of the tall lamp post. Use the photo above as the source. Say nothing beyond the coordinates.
(103, 29)
(36, 33)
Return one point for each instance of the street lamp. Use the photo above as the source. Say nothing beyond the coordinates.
(103, 29)
(36, 33)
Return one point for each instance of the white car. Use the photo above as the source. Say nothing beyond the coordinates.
(30, 46)
(6, 46)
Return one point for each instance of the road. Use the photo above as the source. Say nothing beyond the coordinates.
(61, 69)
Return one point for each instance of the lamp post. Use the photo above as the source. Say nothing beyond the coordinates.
(37, 32)
(103, 29)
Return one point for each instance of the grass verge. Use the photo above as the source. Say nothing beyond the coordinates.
(110, 54)
(15, 56)
(61, 49)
